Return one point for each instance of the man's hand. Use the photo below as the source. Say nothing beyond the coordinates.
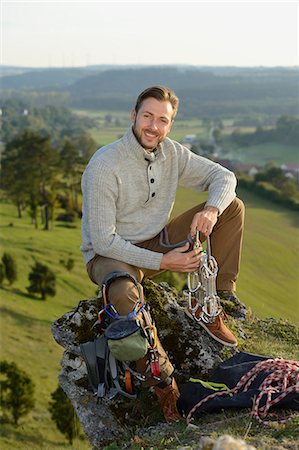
(178, 261)
(204, 221)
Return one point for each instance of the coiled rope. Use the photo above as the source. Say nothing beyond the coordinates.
(283, 379)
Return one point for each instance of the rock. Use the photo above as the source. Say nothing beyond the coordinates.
(190, 348)
(229, 443)
(206, 443)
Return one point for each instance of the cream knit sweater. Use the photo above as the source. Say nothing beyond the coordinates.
(128, 195)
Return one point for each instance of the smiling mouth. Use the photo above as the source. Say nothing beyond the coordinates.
(150, 134)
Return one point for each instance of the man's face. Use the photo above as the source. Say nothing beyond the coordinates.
(152, 122)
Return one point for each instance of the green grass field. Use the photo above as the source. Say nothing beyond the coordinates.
(268, 284)
(265, 153)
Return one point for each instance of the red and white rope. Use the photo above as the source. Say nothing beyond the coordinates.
(283, 379)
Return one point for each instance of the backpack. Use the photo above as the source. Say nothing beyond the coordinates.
(120, 342)
(243, 381)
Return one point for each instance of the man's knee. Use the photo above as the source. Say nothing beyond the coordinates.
(236, 207)
(123, 294)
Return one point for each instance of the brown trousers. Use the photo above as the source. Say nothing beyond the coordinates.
(226, 244)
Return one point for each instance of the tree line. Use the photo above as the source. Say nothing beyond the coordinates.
(285, 132)
(39, 175)
(58, 122)
(272, 184)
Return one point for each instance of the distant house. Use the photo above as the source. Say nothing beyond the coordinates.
(290, 170)
(249, 169)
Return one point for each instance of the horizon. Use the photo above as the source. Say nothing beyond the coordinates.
(124, 65)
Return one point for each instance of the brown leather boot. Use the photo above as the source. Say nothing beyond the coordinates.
(167, 398)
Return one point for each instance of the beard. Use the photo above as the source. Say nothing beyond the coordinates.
(145, 145)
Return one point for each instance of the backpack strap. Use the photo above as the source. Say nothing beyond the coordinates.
(113, 369)
(91, 351)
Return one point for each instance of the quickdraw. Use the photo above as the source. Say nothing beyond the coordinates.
(283, 379)
(203, 301)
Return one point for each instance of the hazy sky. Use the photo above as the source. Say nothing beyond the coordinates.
(75, 33)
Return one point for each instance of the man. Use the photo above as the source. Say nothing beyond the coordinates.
(129, 189)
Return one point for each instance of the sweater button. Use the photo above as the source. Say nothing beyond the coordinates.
(153, 194)
(152, 180)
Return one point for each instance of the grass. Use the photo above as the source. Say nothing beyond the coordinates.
(268, 284)
(264, 153)
(25, 322)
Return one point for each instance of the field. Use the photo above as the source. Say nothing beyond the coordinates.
(268, 284)
(104, 133)
(265, 153)
(260, 155)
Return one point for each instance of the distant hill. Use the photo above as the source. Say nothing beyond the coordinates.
(203, 91)
(43, 79)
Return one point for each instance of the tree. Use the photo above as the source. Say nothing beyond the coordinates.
(87, 146)
(29, 172)
(12, 181)
(10, 268)
(72, 165)
(274, 175)
(287, 130)
(289, 189)
(16, 391)
(63, 414)
(42, 281)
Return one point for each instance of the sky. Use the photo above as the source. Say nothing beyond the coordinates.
(215, 33)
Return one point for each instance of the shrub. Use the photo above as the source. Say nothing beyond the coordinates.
(70, 264)
(63, 414)
(16, 391)
(69, 216)
(10, 268)
(42, 281)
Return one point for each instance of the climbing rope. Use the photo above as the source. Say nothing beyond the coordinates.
(283, 379)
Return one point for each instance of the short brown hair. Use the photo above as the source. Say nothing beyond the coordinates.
(160, 93)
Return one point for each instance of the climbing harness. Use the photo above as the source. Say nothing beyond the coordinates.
(282, 379)
(121, 340)
(203, 301)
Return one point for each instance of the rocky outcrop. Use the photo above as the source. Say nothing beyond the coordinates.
(190, 348)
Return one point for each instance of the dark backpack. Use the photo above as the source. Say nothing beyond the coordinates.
(104, 371)
(215, 394)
